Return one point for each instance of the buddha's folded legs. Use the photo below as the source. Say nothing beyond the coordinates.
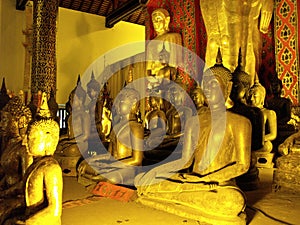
(198, 201)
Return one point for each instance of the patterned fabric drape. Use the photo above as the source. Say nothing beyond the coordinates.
(286, 47)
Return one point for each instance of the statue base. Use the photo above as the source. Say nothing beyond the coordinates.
(264, 159)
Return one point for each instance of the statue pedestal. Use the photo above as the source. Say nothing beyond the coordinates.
(286, 176)
(264, 159)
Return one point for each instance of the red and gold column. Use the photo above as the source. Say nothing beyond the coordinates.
(43, 72)
(286, 47)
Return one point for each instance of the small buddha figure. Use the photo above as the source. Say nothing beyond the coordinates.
(240, 89)
(75, 142)
(198, 98)
(164, 38)
(125, 150)
(93, 91)
(14, 121)
(39, 193)
(257, 94)
(283, 109)
(178, 114)
(155, 123)
(216, 149)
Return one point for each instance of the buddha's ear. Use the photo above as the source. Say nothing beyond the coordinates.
(167, 22)
(229, 88)
(24, 141)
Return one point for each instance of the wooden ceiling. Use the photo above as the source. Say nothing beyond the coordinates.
(113, 10)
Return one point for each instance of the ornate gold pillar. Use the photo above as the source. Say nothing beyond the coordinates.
(43, 72)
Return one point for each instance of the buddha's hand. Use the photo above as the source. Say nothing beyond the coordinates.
(285, 147)
(193, 178)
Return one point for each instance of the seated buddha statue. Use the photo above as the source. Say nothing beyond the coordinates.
(171, 41)
(256, 98)
(216, 149)
(198, 98)
(178, 114)
(155, 123)
(240, 88)
(14, 121)
(75, 142)
(283, 109)
(38, 199)
(125, 151)
(93, 91)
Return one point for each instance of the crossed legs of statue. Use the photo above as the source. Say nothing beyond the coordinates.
(211, 203)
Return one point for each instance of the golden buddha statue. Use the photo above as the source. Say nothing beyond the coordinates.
(178, 114)
(256, 98)
(172, 42)
(125, 150)
(38, 197)
(234, 24)
(198, 98)
(216, 149)
(93, 91)
(75, 142)
(155, 123)
(14, 121)
(240, 89)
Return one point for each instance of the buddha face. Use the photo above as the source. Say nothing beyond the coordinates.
(76, 102)
(198, 97)
(160, 22)
(256, 98)
(92, 93)
(214, 90)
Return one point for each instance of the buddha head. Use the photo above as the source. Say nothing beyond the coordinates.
(128, 102)
(241, 83)
(15, 117)
(160, 19)
(198, 96)
(276, 86)
(93, 88)
(256, 96)
(164, 56)
(77, 96)
(217, 82)
(42, 137)
(176, 93)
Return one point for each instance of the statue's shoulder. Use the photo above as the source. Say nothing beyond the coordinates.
(237, 118)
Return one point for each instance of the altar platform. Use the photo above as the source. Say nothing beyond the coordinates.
(264, 207)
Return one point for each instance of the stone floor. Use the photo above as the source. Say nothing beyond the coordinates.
(264, 207)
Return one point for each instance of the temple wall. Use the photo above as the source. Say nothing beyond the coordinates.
(81, 39)
(12, 52)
